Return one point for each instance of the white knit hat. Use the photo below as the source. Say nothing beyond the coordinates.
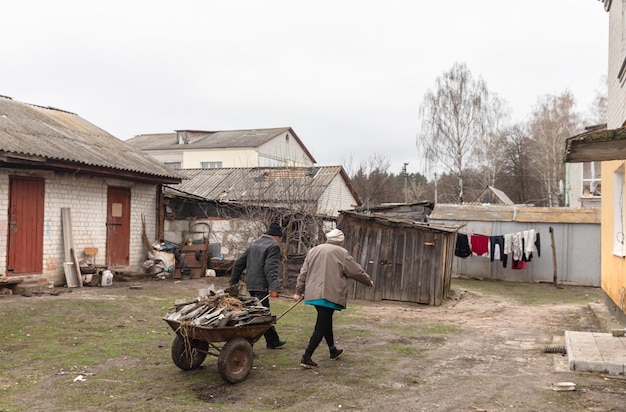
(335, 236)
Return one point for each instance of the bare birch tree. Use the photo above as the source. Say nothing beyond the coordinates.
(454, 122)
(600, 106)
(553, 120)
(491, 150)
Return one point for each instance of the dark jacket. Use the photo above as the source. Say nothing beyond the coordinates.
(261, 261)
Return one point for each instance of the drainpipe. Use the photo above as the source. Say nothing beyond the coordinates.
(567, 186)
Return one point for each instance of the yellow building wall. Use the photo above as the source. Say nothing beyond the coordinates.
(613, 267)
(283, 150)
(192, 159)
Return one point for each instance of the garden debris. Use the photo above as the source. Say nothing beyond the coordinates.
(80, 378)
(161, 259)
(563, 386)
(220, 309)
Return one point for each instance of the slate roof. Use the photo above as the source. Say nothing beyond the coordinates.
(220, 139)
(46, 137)
(268, 185)
(597, 144)
(494, 196)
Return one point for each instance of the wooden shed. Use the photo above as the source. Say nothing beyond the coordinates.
(408, 261)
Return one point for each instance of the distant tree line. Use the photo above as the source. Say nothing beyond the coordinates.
(466, 143)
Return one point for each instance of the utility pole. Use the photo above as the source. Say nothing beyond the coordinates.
(406, 183)
(435, 187)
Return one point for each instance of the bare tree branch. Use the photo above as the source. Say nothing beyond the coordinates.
(455, 118)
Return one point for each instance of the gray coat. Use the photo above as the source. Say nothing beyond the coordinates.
(325, 274)
(261, 261)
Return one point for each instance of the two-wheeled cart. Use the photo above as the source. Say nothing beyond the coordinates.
(193, 343)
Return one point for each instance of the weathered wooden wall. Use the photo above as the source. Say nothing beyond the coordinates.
(409, 262)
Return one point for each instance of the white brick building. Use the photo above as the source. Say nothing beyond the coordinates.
(50, 161)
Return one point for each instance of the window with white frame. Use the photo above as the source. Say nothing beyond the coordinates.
(592, 182)
(211, 165)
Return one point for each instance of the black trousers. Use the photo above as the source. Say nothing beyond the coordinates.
(271, 336)
(323, 329)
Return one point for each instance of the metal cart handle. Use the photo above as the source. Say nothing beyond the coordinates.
(288, 309)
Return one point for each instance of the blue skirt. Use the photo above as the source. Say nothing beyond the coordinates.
(324, 302)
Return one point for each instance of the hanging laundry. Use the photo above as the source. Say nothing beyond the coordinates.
(518, 263)
(463, 248)
(516, 246)
(538, 244)
(525, 258)
(508, 243)
(497, 249)
(480, 245)
(529, 244)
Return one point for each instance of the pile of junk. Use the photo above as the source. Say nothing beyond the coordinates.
(186, 261)
(161, 260)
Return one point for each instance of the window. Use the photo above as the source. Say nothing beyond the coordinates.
(173, 165)
(592, 182)
(211, 165)
(618, 212)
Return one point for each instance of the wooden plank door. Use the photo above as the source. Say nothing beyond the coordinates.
(25, 237)
(118, 226)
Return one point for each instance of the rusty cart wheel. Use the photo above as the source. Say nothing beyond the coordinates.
(188, 355)
(235, 360)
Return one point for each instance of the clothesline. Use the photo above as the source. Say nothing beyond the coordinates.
(520, 246)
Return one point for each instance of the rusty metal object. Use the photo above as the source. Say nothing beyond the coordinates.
(251, 333)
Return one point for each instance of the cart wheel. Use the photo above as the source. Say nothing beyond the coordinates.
(235, 360)
(190, 356)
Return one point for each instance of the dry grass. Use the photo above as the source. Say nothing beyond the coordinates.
(108, 349)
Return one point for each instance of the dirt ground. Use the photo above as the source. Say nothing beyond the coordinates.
(487, 353)
(482, 350)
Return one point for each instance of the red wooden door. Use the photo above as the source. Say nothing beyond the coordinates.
(26, 211)
(118, 226)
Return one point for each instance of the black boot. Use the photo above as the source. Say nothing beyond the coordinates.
(307, 362)
(335, 353)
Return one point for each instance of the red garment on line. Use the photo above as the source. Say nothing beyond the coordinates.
(480, 245)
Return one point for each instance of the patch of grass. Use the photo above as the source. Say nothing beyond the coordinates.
(441, 329)
(118, 341)
(408, 351)
(531, 293)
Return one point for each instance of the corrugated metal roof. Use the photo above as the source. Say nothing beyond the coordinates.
(220, 139)
(53, 134)
(206, 139)
(273, 185)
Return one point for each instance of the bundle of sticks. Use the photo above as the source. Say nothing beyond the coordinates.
(220, 309)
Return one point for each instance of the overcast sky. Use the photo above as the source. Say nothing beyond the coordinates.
(348, 76)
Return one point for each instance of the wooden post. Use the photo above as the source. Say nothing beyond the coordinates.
(554, 281)
(79, 275)
(72, 279)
